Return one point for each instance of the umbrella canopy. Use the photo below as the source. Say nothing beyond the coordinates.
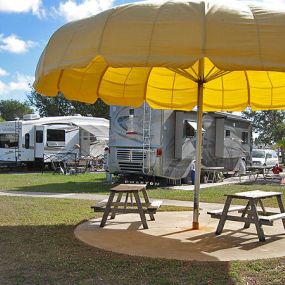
(217, 55)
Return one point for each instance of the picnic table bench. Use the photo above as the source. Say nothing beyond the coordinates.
(249, 213)
(108, 206)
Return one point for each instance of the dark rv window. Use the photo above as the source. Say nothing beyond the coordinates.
(39, 136)
(228, 133)
(189, 131)
(132, 112)
(9, 140)
(244, 137)
(27, 141)
(55, 135)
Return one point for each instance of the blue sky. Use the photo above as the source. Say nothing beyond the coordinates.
(26, 26)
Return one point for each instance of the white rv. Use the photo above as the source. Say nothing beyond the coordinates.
(39, 140)
(162, 143)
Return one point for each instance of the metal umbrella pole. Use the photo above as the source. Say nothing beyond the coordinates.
(195, 224)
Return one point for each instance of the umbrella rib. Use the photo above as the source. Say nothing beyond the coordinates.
(99, 82)
(104, 28)
(210, 72)
(172, 93)
(127, 77)
(59, 80)
(218, 74)
(248, 88)
(152, 30)
(271, 86)
(223, 93)
(194, 71)
(184, 73)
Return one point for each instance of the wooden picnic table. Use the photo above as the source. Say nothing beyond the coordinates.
(257, 170)
(249, 213)
(212, 172)
(129, 190)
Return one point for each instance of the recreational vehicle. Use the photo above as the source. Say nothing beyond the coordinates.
(40, 140)
(162, 143)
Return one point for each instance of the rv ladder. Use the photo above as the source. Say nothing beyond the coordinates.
(146, 139)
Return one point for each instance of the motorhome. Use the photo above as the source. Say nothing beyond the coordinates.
(35, 140)
(162, 143)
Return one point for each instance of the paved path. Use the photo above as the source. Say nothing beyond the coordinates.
(99, 197)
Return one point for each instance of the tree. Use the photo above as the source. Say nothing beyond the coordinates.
(270, 127)
(268, 124)
(11, 109)
(60, 106)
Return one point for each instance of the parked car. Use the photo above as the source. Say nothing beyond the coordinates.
(266, 157)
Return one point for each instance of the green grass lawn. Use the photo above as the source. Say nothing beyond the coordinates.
(37, 246)
(95, 183)
(55, 183)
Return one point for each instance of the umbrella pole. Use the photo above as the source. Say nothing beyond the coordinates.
(195, 224)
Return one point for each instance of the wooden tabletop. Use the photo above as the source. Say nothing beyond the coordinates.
(212, 168)
(128, 187)
(257, 194)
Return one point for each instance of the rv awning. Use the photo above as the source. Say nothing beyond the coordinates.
(194, 125)
(101, 132)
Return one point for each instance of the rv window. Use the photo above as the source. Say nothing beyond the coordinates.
(244, 137)
(189, 131)
(228, 133)
(39, 136)
(27, 141)
(55, 135)
(268, 155)
(9, 140)
(92, 138)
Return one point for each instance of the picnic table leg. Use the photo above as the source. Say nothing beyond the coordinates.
(107, 209)
(249, 216)
(126, 201)
(224, 216)
(281, 206)
(262, 206)
(140, 209)
(256, 176)
(116, 205)
(257, 223)
(146, 199)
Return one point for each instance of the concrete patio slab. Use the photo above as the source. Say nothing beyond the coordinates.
(171, 237)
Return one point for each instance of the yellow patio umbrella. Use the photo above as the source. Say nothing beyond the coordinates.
(216, 55)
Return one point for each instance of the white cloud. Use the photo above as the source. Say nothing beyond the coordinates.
(14, 44)
(22, 6)
(71, 11)
(272, 3)
(21, 82)
(3, 72)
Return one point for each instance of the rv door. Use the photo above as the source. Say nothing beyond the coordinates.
(39, 141)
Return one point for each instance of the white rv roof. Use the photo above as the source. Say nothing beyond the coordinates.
(96, 126)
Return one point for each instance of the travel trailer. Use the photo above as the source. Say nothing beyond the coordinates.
(35, 140)
(162, 143)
